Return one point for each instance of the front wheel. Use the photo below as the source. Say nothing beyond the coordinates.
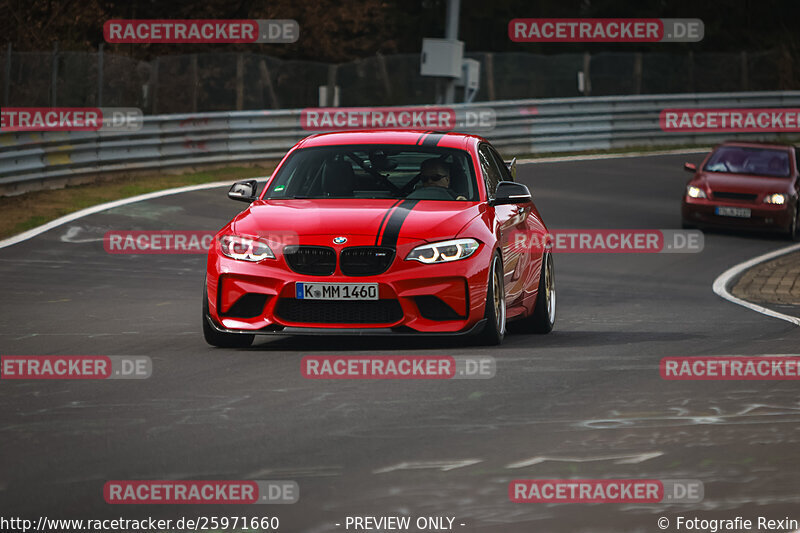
(794, 228)
(218, 338)
(495, 329)
(544, 313)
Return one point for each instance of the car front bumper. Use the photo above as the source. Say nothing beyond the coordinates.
(762, 216)
(414, 298)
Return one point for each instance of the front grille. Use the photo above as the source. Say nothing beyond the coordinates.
(336, 312)
(365, 260)
(311, 260)
(744, 197)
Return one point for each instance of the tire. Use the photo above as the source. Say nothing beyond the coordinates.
(494, 331)
(218, 338)
(543, 317)
(794, 228)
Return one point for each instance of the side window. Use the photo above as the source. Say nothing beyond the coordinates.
(489, 169)
(505, 174)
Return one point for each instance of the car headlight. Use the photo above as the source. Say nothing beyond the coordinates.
(245, 248)
(443, 252)
(777, 198)
(695, 192)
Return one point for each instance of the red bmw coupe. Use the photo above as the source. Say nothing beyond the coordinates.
(745, 185)
(380, 232)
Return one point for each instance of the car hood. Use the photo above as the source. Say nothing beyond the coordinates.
(719, 181)
(422, 220)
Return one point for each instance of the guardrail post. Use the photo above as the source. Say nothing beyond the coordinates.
(7, 83)
(100, 75)
(239, 82)
(54, 75)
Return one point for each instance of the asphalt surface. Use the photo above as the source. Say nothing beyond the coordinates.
(587, 400)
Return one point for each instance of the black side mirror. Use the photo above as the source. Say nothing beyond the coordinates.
(509, 192)
(690, 167)
(244, 191)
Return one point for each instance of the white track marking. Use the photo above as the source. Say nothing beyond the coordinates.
(103, 207)
(720, 286)
(443, 466)
(592, 157)
(625, 459)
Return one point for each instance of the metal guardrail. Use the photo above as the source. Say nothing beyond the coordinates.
(38, 160)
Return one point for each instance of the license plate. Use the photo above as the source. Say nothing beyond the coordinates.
(336, 291)
(739, 212)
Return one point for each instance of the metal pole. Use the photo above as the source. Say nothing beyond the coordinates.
(330, 99)
(7, 88)
(54, 76)
(100, 75)
(451, 32)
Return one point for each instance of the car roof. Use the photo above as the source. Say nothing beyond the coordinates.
(758, 144)
(445, 139)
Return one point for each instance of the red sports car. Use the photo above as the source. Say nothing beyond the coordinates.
(745, 185)
(380, 232)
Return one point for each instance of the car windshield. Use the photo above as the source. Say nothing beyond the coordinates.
(376, 171)
(749, 160)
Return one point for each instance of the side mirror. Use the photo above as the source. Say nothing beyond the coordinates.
(509, 192)
(512, 168)
(244, 191)
(690, 167)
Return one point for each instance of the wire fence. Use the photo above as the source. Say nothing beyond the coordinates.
(191, 83)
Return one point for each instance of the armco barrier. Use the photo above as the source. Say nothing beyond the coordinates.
(39, 160)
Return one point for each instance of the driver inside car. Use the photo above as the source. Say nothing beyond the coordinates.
(434, 173)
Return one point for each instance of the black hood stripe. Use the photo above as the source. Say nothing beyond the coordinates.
(380, 226)
(433, 139)
(395, 222)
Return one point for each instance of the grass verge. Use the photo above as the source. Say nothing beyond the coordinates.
(26, 211)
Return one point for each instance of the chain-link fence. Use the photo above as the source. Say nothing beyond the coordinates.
(242, 81)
